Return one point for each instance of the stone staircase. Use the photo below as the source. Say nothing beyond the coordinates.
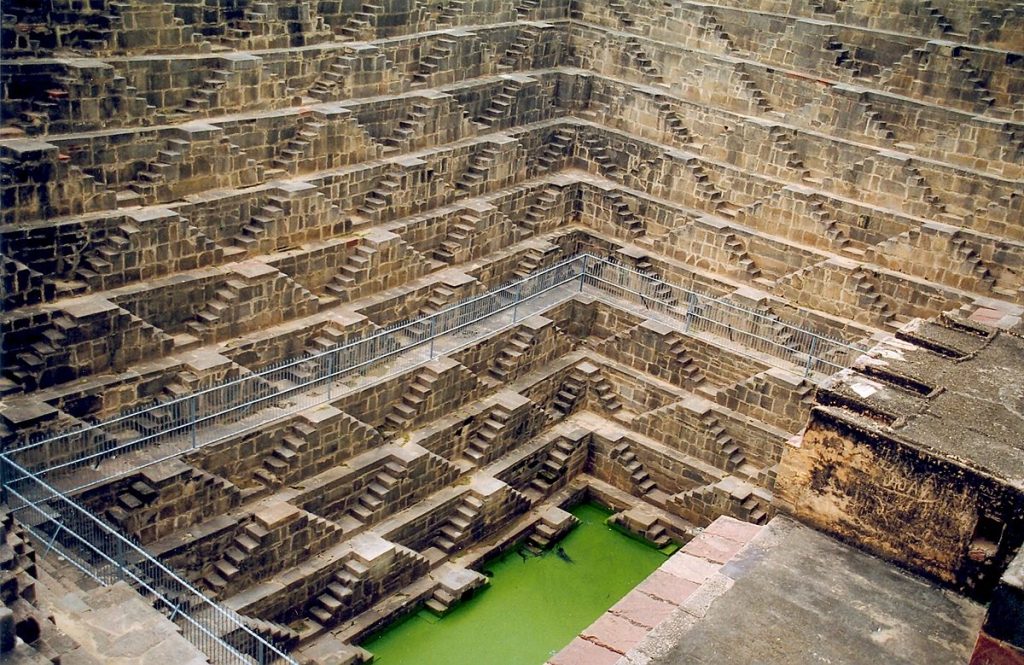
(623, 455)
(556, 150)
(737, 255)
(830, 225)
(135, 496)
(524, 7)
(330, 84)
(618, 9)
(328, 338)
(370, 501)
(868, 297)
(599, 154)
(677, 132)
(661, 290)
(552, 470)
(59, 106)
(242, 546)
(972, 263)
(643, 62)
(160, 170)
(377, 201)
(281, 636)
(21, 285)
(713, 31)
(299, 150)
(531, 261)
(108, 257)
(554, 523)
(452, 11)
(457, 240)
(746, 87)
(39, 359)
(724, 443)
(782, 141)
(206, 97)
(277, 466)
(684, 363)
(224, 299)
(403, 414)
(538, 213)
(474, 179)
(439, 298)
(841, 55)
(409, 127)
(704, 188)
(355, 269)
(510, 356)
(517, 56)
(875, 125)
(183, 163)
(261, 230)
(623, 216)
(141, 508)
(456, 532)
(569, 394)
(643, 522)
(361, 25)
(502, 105)
(479, 445)
(605, 394)
(336, 599)
(440, 52)
(364, 579)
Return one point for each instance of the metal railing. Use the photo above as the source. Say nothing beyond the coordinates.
(206, 416)
(60, 524)
(250, 401)
(244, 403)
(721, 318)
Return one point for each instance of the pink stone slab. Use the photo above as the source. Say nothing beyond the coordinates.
(615, 633)
(668, 587)
(582, 652)
(640, 608)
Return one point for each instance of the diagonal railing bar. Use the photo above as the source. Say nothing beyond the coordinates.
(99, 551)
(206, 416)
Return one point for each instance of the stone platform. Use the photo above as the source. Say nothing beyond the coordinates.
(778, 594)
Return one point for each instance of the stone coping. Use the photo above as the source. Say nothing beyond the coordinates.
(671, 586)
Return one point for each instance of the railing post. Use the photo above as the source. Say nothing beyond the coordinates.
(515, 305)
(3, 479)
(192, 417)
(583, 273)
(119, 558)
(331, 361)
(433, 328)
(691, 302)
(810, 354)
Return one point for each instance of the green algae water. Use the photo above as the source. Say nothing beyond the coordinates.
(532, 608)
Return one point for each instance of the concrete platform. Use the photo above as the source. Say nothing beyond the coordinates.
(114, 625)
(794, 596)
(782, 594)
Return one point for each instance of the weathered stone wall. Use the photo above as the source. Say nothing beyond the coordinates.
(847, 479)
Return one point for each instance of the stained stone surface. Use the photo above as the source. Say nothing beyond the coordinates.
(794, 596)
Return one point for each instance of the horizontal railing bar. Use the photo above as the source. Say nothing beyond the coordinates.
(126, 546)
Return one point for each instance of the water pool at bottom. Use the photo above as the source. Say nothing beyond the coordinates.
(532, 608)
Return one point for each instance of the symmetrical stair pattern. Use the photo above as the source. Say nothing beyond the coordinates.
(478, 447)
(457, 529)
(626, 457)
(370, 501)
(404, 413)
